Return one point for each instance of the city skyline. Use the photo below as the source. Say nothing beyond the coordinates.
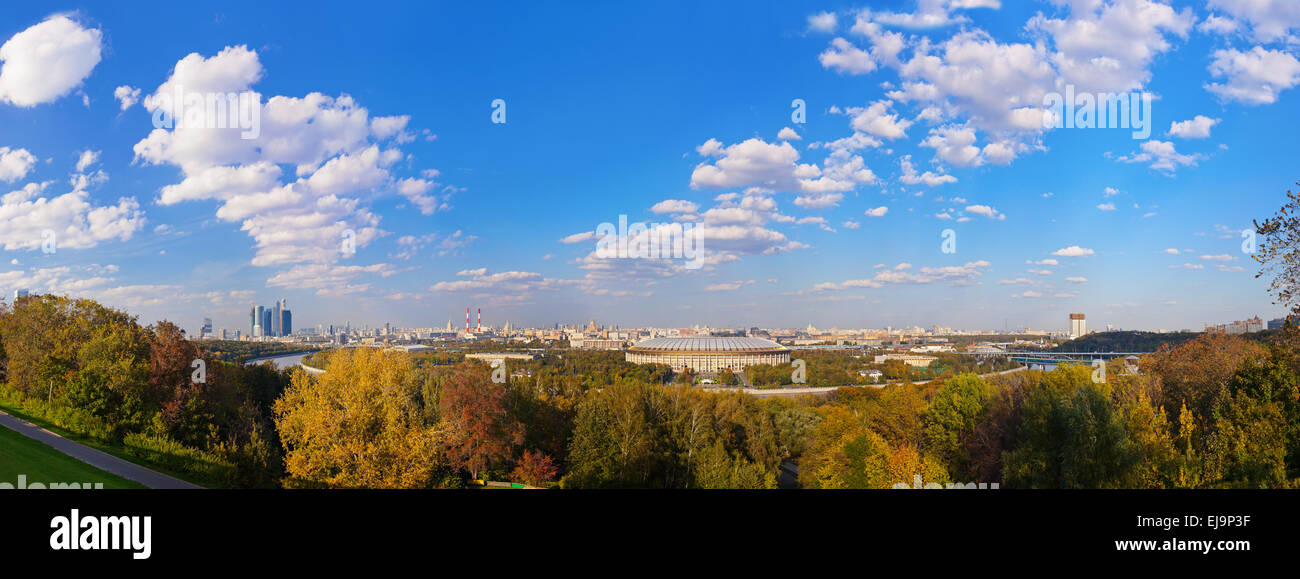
(912, 127)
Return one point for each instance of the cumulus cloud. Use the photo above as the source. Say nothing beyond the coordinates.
(953, 275)
(126, 96)
(1270, 20)
(86, 159)
(1254, 77)
(1073, 251)
(985, 211)
(822, 22)
(27, 214)
(1162, 156)
(1195, 128)
(877, 212)
(47, 61)
(928, 178)
(776, 167)
(338, 155)
(845, 58)
(1108, 46)
(15, 164)
(675, 206)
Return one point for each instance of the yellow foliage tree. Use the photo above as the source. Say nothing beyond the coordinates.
(361, 424)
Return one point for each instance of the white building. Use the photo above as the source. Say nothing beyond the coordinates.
(1078, 326)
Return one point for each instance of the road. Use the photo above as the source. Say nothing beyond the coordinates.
(96, 458)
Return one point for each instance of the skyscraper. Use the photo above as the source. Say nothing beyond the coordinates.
(260, 325)
(286, 322)
(266, 321)
(276, 319)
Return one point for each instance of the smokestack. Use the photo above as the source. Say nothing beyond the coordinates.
(467, 319)
(480, 319)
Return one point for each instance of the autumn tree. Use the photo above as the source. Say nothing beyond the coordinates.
(534, 468)
(360, 424)
(481, 433)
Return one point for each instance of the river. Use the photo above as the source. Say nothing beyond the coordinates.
(285, 361)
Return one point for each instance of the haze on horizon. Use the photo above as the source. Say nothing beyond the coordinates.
(823, 152)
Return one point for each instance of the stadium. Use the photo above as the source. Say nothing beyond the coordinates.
(708, 354)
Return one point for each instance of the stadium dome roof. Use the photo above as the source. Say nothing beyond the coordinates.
(708, 344)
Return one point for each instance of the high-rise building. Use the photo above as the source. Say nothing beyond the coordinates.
(252, 320)
(286, 322)
(260, 325)
(266, 321)
(206, 329)
(1078, 326)
(22, 293)
(277, 319)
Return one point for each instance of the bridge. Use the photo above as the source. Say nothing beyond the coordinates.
(1043, 359)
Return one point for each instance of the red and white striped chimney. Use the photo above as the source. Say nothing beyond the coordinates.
(466, 319)
(480, 320)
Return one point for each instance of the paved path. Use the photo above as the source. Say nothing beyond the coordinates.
(96, 458)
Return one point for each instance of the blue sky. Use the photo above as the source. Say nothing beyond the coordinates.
(672, 112)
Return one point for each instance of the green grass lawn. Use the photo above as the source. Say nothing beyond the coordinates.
(22, 455)
(13, 409)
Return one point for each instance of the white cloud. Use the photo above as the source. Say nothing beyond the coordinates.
(1215, 24)
(727, 286)
(47, 61)
(1219, 257)
(877, 212)
(1254, 77)
(822, 22)
(1108, 46)
(1076, 279)
(776, 166)
(878, 120)
(1195, 128)
(126, 96)
(845, 58)
(26, 215)
(331, 280)
(15, 164)
(331, 144)
(86, 159)
(1106, 207)
(582, 237)
(1162, 156)
(675, 206)
(418, 191)
(1073, 251)
(788, 134)
(985, 211)
(954, 275)
(954, 144)
(1270, 20)
(818, 200)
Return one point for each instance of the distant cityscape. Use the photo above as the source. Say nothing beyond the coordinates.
(275, 323)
